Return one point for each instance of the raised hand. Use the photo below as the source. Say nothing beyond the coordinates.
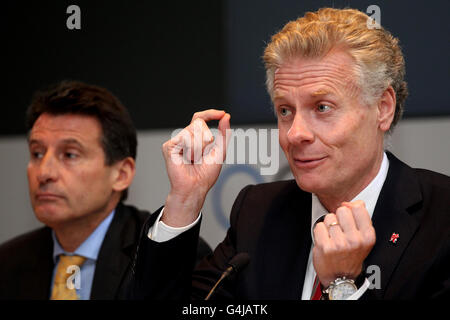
(193, 161)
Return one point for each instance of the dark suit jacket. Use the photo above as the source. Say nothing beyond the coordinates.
(272, 223)
(26, 265)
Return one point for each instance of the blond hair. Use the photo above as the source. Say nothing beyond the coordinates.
(375, 51)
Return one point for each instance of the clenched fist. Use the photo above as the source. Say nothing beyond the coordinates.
(342, 242)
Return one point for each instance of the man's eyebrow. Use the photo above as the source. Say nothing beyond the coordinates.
(320, 92)
(33, 141)
(64, 141)
(72, 141)
(278, 95)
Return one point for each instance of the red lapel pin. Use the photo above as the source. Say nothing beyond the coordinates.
(394, 237)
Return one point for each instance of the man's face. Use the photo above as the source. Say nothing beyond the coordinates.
(330, 138)
(67, 176)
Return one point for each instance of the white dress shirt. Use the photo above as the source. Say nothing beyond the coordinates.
(89, 249)
(161, 232)
(370, 196)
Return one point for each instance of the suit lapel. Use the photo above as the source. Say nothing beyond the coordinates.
(34, 278)
(394, 213)
(115, 255)
(285, 248)
(45, 268)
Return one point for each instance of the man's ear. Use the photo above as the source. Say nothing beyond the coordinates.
(124, 171)
(386, 109)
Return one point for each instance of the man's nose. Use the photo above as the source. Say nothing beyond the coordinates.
(47, 170)
(300, 131)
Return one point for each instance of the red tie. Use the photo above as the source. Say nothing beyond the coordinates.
(317, 287)
(318, 290)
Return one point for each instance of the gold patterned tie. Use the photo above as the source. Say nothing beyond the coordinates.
(67, 266)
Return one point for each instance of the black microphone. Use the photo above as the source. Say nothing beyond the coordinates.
(236, 263)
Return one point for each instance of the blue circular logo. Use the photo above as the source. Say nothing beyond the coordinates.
(227, 173)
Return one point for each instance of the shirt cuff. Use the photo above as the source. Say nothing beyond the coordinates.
(161, 232)
(360, 291)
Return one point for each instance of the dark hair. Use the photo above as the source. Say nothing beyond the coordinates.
(73, 97)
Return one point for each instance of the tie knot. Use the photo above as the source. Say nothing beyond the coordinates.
(67, 266)
(71, 260)
(320, 219)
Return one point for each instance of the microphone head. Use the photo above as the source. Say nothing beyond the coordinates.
(239, 261)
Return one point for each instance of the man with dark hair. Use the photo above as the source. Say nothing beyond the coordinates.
(82, 146)
(118, 138)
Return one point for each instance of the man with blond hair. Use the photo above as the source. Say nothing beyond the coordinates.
(356, 222)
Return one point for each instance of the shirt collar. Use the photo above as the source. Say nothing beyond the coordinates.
(91, 246)
(369, 195)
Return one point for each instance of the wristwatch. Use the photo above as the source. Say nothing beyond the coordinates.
(340, 289)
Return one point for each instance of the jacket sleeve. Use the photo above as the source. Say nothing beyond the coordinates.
(165, 270)
(162, 270)
(209, 270)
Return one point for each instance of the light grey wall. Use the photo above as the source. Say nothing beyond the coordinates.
(421, 143)
(16, 215)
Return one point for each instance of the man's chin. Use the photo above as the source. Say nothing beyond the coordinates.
(50, 216)
(309, 183)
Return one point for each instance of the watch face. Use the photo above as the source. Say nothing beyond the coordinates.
(342, 291)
